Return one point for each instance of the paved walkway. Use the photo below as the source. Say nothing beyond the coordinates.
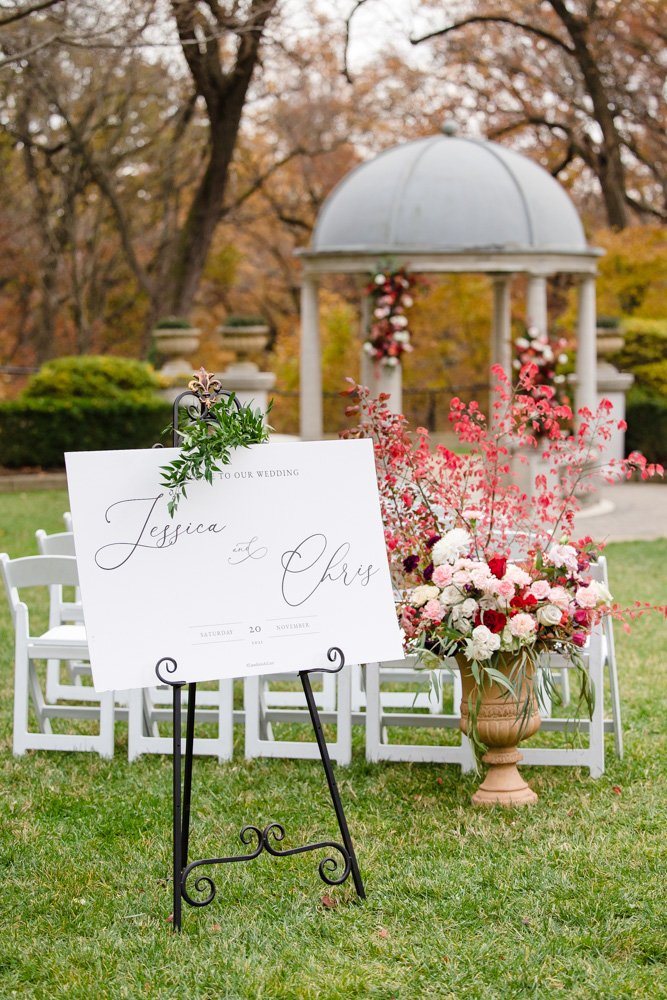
(627, 512)
(623, 513)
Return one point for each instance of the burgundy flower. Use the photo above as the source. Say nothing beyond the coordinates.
(410, 563)
(432, 540)
(495, 621)
(428, 572)
(498, 566)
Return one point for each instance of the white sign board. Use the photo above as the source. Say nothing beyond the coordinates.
(262, 572)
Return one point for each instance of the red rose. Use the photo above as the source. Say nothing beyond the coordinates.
(524, 600)
(494, 620)
(498, 566)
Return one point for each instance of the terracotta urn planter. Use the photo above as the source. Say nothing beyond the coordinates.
(501, 725)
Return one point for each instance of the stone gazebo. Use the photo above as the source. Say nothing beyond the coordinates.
(451, 205)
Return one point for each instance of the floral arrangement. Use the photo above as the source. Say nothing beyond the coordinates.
(484, 572)
(548, 355)
(389, 338)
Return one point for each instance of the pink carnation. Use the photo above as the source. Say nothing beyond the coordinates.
(587, 597)
(433, 611)
(521, 625)
(540, 589)
(517, 575)
(442, 575)
(560, 597)
(505, 588)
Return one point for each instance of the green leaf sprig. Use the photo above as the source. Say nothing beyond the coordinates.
(207, 444)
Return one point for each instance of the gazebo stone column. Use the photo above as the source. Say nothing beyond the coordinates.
(536, 302)
(501, 330)
(586, 388)
(310, 361)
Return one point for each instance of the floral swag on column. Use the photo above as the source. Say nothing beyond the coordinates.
(391, 293)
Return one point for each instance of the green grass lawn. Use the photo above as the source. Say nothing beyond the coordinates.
(564, 899)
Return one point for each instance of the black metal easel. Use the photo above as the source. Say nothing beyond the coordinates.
(205, 389)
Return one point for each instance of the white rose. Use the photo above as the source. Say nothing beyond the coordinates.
(482, 644)
(549, 615)
(420, 595)
(452, 595)
(463, 613)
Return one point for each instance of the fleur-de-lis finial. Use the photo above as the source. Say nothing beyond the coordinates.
(205, 386)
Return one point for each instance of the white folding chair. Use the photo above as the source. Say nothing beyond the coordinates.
(599, 652)
(429, 697)
(150, 708)
(380, 720)
(62, 612)
(261, 715)
(58, 642)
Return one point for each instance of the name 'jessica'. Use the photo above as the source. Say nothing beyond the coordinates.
(147, 535)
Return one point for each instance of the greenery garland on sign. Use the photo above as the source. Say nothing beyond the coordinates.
(207, 443)
(388, 337)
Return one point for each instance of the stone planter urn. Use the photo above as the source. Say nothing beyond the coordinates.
(243, 376)
(244, 339)
(175, 344)
(501, 723)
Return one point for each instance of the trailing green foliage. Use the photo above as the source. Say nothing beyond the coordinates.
(97, 377)
(37, 432)
(208, 444)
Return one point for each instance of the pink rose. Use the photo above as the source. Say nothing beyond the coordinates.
(578, 638)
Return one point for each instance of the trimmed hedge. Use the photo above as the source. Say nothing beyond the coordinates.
(95, 377)
(37, 432)
(646, 415)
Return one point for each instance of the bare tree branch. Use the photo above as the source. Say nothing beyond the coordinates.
(530, 29)
(21, 12)
(346, 43)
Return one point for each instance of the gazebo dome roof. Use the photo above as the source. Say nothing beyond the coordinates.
(447, 194)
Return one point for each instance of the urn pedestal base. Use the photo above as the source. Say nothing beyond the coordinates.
(502, 722)
(503, 785)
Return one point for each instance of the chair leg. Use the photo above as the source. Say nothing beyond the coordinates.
(21, 685)
(107, 716)
(596, 730)
(373, 712)
(613, 687)
(343, 746)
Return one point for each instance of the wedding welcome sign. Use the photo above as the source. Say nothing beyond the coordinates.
(260, 573)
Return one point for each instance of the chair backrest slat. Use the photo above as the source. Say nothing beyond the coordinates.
(59, 544)
(37, 571)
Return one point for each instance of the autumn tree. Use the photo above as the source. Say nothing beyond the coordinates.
(583, 79)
